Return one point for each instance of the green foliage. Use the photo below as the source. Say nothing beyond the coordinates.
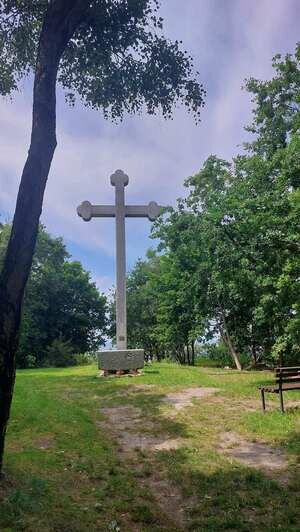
(60, 302)
(30, 361)
(118, 58)
(84, 359)
(141, 298)
(141, 306)
(276, 115)
(60, 354)
(158, 322)
(219, 354)
(229, 263)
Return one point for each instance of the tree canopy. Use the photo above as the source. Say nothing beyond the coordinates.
(229, 263)
(117, 59)
(61, 303)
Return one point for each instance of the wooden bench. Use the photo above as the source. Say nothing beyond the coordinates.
(285, 379)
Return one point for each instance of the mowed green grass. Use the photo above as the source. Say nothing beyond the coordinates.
(64, 471)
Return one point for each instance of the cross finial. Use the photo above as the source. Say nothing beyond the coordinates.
(119, 178)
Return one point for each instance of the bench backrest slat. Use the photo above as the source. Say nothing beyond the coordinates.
(284, 368)
(287, 375)
(283, 371)
(287, 378)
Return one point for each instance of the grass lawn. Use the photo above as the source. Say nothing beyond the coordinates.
(66, 471)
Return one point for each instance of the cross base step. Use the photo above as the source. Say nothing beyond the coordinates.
(121, 360)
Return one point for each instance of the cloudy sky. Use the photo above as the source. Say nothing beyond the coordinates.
(230, 40)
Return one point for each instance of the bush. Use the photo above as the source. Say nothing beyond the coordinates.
(30, 361)
(215, 354)
(84, 359)
(218, 355)
(60, 354)
(206, 362)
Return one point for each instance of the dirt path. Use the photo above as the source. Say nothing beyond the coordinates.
(135, 434)
(184, 398)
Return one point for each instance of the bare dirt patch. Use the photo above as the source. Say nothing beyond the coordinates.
(292, 404)
(253, 454)
(168, 499)
(134, 434)
(238, 405)
(44, 442)
(143, 387)
(184, 398)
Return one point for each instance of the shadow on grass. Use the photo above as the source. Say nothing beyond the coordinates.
(149, 405)
(233, 498)
(292, 443)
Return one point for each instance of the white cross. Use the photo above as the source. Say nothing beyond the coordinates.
(120, 211)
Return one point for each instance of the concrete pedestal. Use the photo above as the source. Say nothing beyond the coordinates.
(125, 360)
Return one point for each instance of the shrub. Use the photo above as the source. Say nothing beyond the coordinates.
(30, 361)
(83, 359)
(60, 354)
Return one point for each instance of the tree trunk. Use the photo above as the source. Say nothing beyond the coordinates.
(188, 354)
(180, 354)
(158, 357)
(183, 354)
(233, 353)
(193, 353)
(61, 19)
(226, 337)
(253, 355)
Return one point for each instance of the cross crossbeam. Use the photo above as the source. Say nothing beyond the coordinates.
(120, 211)
(87, 211)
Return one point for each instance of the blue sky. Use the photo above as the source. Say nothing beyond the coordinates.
(230, 40)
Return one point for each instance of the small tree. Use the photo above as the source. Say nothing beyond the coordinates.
(60, 354)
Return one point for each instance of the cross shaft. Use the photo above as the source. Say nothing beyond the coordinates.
(120, 211)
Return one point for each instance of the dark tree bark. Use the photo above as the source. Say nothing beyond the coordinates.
(188, 354)
(254, 356)
(61, 20)
(157, 354)
(181, 354)
(193, 352)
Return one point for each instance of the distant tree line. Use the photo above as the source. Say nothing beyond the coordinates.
(228, 264)
(64, 315)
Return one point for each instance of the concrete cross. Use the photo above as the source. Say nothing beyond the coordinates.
(120, 211)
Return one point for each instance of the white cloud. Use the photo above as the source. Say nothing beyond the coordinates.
(230, 41)
(104, 283)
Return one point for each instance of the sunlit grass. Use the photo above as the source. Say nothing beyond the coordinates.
(63, 471)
